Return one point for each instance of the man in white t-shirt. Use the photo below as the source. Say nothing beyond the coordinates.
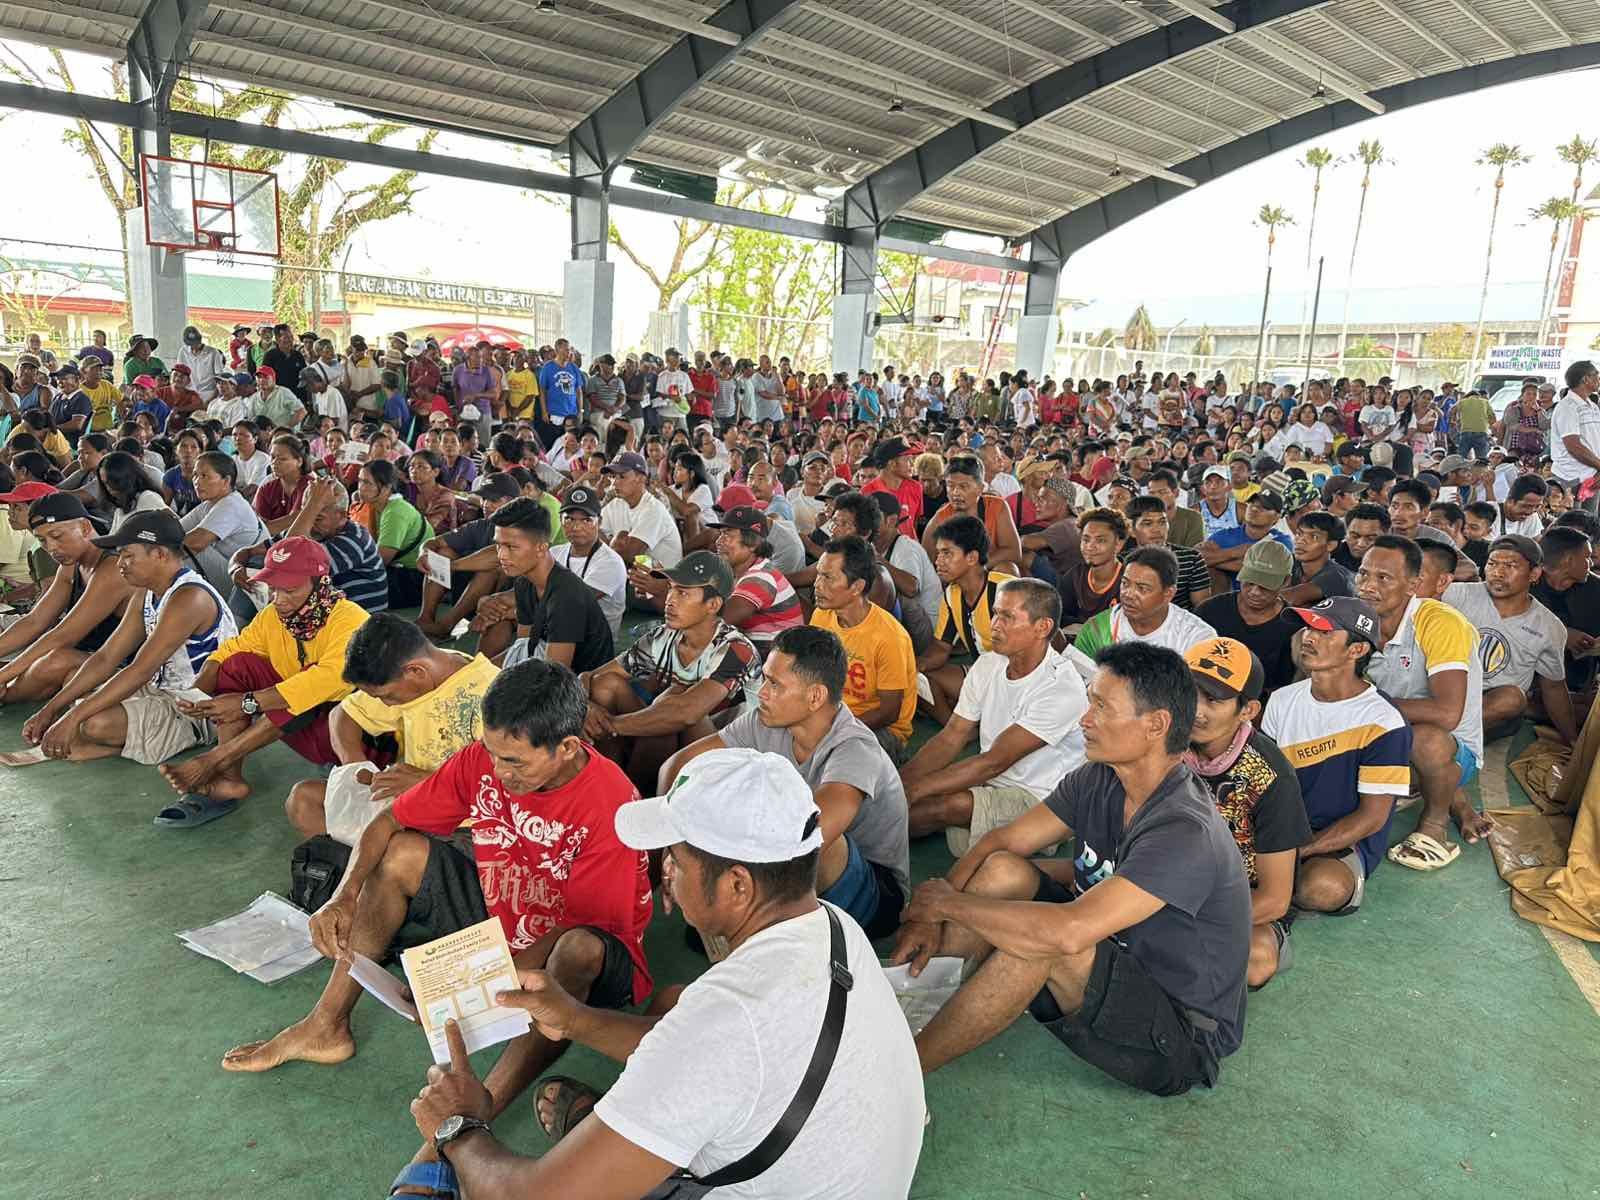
(205, 363)
(997, 469)
(1575, 427)
(673, 389)
(634, 522)
(584, 554)
(704, 1084)
(1144, 611)
(1024, 404)
(1023, 701)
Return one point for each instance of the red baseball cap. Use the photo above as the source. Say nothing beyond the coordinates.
(268, 372)
(737, 495)
(26, 493)
(292, 562)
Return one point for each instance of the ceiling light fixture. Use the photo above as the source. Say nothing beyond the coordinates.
(1319, 92)
(896, 106)
(545, 6)
(1116, 170)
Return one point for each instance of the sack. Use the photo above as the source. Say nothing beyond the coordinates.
(315, 869)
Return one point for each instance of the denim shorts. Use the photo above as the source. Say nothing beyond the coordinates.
(867, 892)
(1467, 761)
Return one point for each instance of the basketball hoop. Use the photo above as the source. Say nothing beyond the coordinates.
(221, 245)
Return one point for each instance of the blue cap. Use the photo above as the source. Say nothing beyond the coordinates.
(244, 379)
(975, 441)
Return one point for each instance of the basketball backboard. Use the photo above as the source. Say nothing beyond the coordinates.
(209, 206)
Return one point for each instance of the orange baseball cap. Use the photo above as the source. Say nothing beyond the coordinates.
(1226, 669)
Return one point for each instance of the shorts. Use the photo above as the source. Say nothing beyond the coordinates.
(451, 899)
(1128, 1027)
(992, 807)
(157, 730)
(1351, 859)
(641, 693)
(868, 891)
(1467, 761)
(892, 746)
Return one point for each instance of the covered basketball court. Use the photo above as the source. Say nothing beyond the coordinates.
(1044, 123)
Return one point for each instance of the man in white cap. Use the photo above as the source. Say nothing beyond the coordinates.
(798, 998)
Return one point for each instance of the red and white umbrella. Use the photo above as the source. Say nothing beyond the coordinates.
(466, 339)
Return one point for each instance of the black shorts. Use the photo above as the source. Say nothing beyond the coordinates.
(450, 899)
(1128, 1027)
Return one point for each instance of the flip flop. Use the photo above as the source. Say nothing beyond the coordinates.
(1420, 852)
(569, 1092)
(193, 809)
(438, 1177)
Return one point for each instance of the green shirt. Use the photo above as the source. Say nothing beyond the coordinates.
(558, 535)
(1473, 414)
(279, 406)
(133, 367)
(397, 529)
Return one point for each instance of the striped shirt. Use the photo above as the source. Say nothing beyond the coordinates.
(777, 607)
(1433, 637)
(358, 567)
(180, 669)
(1341, 750)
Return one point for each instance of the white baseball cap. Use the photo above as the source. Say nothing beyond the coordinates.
(744, 805)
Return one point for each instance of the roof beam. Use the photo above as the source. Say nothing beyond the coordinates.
(159, 44)
(882, 194)
(589, 20)
(604, 139)
(757, 63)
(1204, 12)
(825, 60)
(1231, 56)
(1500, 39)
(1426, 34)
(989, 33)
(1221, 93)
(1376, 49)
(1078, 228)
(1097, 114)
(847, 129)
(901, 39)
(1106, 152)
(1103, 40)
(1143, 96)
(1137, 10)
(1325, 73)
(657, 15)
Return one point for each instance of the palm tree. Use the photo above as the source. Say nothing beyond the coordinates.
(1499, 156)
(1205, 345)
(1579, 154)
(1369, 154)
(1558, 210)
(1319, 160)
(1270, 216)
(1140, 331)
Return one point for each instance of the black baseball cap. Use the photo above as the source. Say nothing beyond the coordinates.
(1356, 617)
(499, 486)
(1525, 546)
(745, 517)
(159, 527)
(625, 462)
(52, 510)
(703, 568)
(582, 499)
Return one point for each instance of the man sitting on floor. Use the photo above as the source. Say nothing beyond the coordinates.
(80, 608)
(535, 794)
(1350, 748)
(1139, 966)
(1145, 610)
(429, 700)
(474, 569)
(1427, 664)
(1023, 700)
(881, 685)
(275, 681)
(175, 621)
(557, 616)
(962, 631)
(703, 1085)
(1255, 790)
(659, 696)
(865, 867)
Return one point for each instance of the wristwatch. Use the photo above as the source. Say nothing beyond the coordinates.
(454, 1127)
(249, 705)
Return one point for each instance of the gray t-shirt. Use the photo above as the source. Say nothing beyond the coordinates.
(1512, 649)
(848, 753)
(788, 555)
(231, 519)
(1180, 850)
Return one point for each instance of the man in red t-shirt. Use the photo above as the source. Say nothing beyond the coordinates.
(542, 855)
(704, 382)
(898, 462)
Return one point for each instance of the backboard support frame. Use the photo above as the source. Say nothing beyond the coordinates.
(205, 228)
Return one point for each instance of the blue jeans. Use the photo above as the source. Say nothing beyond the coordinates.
(1473, 445)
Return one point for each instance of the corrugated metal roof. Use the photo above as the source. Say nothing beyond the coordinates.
(814, 90)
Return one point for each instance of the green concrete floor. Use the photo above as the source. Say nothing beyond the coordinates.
(1431, 1046)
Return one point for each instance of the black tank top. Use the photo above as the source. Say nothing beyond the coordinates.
(97, 636)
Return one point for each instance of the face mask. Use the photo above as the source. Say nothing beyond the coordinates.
(226, 445)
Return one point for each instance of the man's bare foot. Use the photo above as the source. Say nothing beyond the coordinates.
(191, 776)
(1475, 826)
(301, 1042)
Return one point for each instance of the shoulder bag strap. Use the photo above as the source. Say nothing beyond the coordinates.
(794, 1117)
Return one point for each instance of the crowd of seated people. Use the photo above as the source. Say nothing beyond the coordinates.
(1158, 671)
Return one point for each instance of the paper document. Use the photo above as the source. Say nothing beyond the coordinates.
(23, 758)
(458, 977)
(381, 984)
(268, 941)
(921, 996)
(436, 567)
(354, 452)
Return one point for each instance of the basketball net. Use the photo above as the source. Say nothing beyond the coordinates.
(219, 245)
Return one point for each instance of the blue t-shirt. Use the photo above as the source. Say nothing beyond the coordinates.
(1227, 539)
(64, 408)
(157, 410)
(397, 412)
(560, 386)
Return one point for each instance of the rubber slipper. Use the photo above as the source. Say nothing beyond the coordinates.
(193, 809)
(1420, 852)
(569, 1093)
(438, 1177)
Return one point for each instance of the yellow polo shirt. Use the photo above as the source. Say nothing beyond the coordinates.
(312, 673)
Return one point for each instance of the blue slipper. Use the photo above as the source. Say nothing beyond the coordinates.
(436, 1176)
(192, 809)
